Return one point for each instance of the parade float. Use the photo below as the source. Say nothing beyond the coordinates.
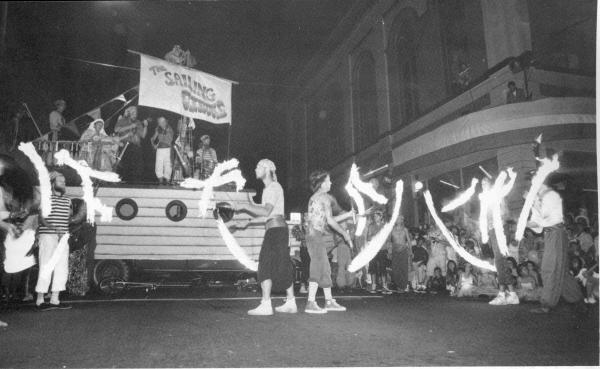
(147, 232)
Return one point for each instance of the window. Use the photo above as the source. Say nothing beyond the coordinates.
(126, 209)
(364, 98)
(406, 55)
(176, 211)
(326, 129)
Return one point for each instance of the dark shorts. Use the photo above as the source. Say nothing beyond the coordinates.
(274, 261)
(319, 244)
(380, 263)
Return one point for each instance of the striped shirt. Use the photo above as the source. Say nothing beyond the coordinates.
(59, 217)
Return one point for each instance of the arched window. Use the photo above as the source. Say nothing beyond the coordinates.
(364, 98)
(326, 129)
(402, 52)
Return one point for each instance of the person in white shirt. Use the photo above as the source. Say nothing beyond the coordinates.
(275, 271)
(547, 216)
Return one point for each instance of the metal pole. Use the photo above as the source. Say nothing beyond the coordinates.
(230, 123)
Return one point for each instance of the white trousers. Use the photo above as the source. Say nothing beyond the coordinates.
(48, 244)
(162, 168)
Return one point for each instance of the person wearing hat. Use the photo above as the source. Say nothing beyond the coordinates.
(51, 229)
(206, 159)
(131, 130)
(99, 147)
(56, 119)
(275, 270)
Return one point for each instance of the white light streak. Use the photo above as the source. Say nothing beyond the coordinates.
(62, 250)
(16, 250)
(45, 188)
(235, 248)
(360, 205)
(460, 200)
(547, 167)
(373, 246)
(364, 187)
(450, 184)
(216, 179)
(92, 203)
(459, 249)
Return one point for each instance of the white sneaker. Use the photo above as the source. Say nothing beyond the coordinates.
(368, 279)
(407, 289)
(331, 305)
(303, 289)
(512, 299)
(499, 300)
(590, 300)
(264, 308)
(313, 308)
(288, 307)
(386, 291)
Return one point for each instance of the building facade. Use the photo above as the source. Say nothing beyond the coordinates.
(421, 86)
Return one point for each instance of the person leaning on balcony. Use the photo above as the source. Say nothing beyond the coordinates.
(514, 94)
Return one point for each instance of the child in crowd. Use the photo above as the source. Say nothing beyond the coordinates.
(451, 278)
(575, 266)
(419, 260)
(438, 282)
(487, 283)
(527, 287)
(591, 283)
(467, 282)
(532, 269)
(512, 264)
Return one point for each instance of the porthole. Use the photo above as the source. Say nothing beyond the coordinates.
(176, 211)
(126, 209)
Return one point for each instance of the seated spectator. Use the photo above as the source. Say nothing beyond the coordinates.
(575, 266)
(512, 264)
(515, 94)
(437, 284)
(419, 260)
(452, 278)
(467, 282)
(591, 284)
(532, 270)
(527, 244)
(585, 238)
(487, 283)
(527, 287)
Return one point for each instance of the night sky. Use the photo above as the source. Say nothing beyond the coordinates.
(263, 45)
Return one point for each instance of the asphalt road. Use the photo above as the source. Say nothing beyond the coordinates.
(210, 328)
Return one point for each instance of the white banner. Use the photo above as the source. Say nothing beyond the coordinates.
(184, 91)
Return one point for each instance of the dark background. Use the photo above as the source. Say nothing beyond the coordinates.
(263, 45)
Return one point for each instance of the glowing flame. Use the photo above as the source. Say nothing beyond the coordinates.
(45, 188)
(62, 250)
(215, 180)
(360, 204)
(235, 248)
(16, 251)
(459, 249)
(547, 167)
(92, 203)
(462, 198)
(373, 246)
(364, 187)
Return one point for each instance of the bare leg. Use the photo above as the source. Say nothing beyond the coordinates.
(266, 289)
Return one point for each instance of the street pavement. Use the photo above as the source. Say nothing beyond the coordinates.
(209, 327)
